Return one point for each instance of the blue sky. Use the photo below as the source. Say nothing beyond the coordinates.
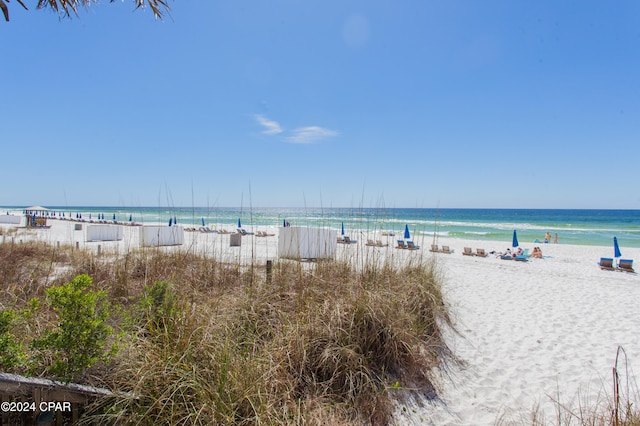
(324, 103)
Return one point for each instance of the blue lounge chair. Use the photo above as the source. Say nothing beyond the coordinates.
(606, 263)
(412, 246)
(626, 265)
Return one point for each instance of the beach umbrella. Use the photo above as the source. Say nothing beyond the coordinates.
(616, 248)
(89, 216)
(515, 239)
(239, 224)
(114, 217)
(203, 221)
(406, 232)
(342, 231)
(170, 220)
(130, 218)
(284, 223)
(175, 221)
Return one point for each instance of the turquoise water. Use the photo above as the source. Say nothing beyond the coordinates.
(586, 227)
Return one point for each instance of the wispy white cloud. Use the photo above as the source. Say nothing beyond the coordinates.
(271, 127)
(310, 134)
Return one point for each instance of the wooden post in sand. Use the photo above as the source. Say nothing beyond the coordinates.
(269, 267)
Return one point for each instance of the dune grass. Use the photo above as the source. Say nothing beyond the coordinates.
(208, 342)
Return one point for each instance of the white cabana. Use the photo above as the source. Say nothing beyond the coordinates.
(10, 219)
(104, 232)
(161, 235)
(307, 243)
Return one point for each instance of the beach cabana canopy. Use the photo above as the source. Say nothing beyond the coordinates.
(515, 239)
(36, 209)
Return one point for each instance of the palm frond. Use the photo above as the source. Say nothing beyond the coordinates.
(68, 7)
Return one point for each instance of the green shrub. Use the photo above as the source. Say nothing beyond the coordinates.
(80, 338)
(11, 351)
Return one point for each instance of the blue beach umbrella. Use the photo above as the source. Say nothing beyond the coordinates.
(203, 221)
(342, 230)
(515, 239)
(114, 217)
(130, 218)
(406, 232)
(170, 221)
(616, 248)
(284, 223)
(239, 224)
(175, 221)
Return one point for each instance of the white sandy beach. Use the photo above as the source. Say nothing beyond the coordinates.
(527, 332)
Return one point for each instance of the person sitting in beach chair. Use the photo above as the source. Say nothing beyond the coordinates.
(537, 253)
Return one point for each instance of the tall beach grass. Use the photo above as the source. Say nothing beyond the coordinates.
(209, 342)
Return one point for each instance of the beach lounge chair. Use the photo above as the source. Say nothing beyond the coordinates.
(434, 248)
(370, 243)
(467, 251)
(446, 249)
(379, 244)
(244, 232)
(521, 258)
(626, 265)
(606, 263)
(481, 253)
(401, 244)
(412, 246)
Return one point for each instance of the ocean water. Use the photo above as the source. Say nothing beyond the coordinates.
(584, 227)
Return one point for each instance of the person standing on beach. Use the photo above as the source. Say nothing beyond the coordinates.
(547, 237)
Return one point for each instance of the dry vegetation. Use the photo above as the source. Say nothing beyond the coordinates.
(204, 342)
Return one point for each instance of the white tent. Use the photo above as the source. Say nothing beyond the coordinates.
(307, 243)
